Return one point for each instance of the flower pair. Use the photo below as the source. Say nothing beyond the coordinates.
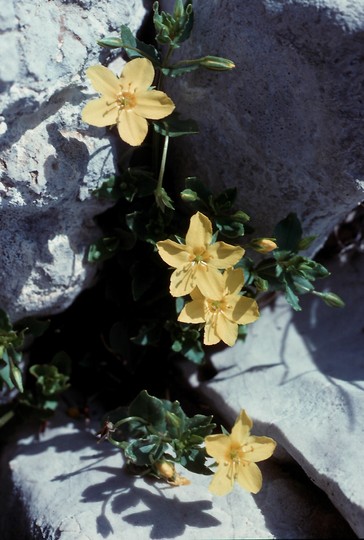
(216, 299)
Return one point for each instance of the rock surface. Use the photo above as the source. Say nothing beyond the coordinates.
(301, 377)
(285, 126)
(50, 161)
(64, 486)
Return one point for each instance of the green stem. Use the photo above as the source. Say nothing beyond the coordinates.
(163, 166)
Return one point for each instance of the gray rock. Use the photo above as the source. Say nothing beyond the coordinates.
(285, 126)
(63, 485)
(50, 161)
(300, 375)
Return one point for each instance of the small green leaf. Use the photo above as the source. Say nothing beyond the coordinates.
(150, 409)
(173, 126)
(288, 233)
(103, 249)
(135, 48)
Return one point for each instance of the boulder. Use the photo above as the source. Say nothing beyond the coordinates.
(285, 125)
(50, 161)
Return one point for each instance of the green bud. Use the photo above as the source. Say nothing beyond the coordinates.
(16, 377)
(216, 63)
(187, 195)
(178, 11)
(332, 299)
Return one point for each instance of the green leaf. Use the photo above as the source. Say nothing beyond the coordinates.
(149, 334)
(109, 189)
(144, 452)
(135, 48)
(177, 70)
(194, 461)
(292, 298)
(150, 409)
(304, 243)
(288, 233)
(228, 227)
(5, 323)
(173, 126)
(103, 249)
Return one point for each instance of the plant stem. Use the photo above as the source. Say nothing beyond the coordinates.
(163, 166)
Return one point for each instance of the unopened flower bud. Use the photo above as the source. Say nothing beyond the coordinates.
(332, 299)
(165, 469)
(216, 63)
(263, 245)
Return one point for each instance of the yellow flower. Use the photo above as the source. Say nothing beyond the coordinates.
(236, 455)
(197, 261)
(126, 101)
(223, 310)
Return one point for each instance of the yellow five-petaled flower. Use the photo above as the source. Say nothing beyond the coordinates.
(223, 310)
(126, 101)
(236, 455)
(197, 262)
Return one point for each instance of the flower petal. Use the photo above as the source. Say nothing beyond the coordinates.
(226, 330)
(217, 446)
(138, 73)
(132, 128)
(183, 281)
(259, 448)
(193, 312)
(210, 336)
(221, 484)
(245, 311)
(172, 253)
(100, 113)
(241, 429)
(104, 80)
(234, 280)
(210, 282)
(224, 255)
(249, 477)
(153, 104)
(199, 233)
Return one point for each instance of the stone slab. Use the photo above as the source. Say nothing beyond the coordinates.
(63, 485)
(300, 375)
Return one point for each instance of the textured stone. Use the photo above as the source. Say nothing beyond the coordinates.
(50, 161)
(285, 126)
(64, 486)
(300, 375)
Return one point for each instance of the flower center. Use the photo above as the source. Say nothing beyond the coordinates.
(199, 256)
(125, 100)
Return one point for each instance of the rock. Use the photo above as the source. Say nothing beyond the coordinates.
(50, 161)
(285, 126)
(300, 375)
(63, 485)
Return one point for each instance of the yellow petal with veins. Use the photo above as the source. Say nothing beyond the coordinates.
(104, 81)
(138, 73)
(199, 234)
(153, 104)
(100, 113)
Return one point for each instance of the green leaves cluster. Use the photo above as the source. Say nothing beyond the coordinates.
(287, 270)
(154, 430)
(50, 381)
